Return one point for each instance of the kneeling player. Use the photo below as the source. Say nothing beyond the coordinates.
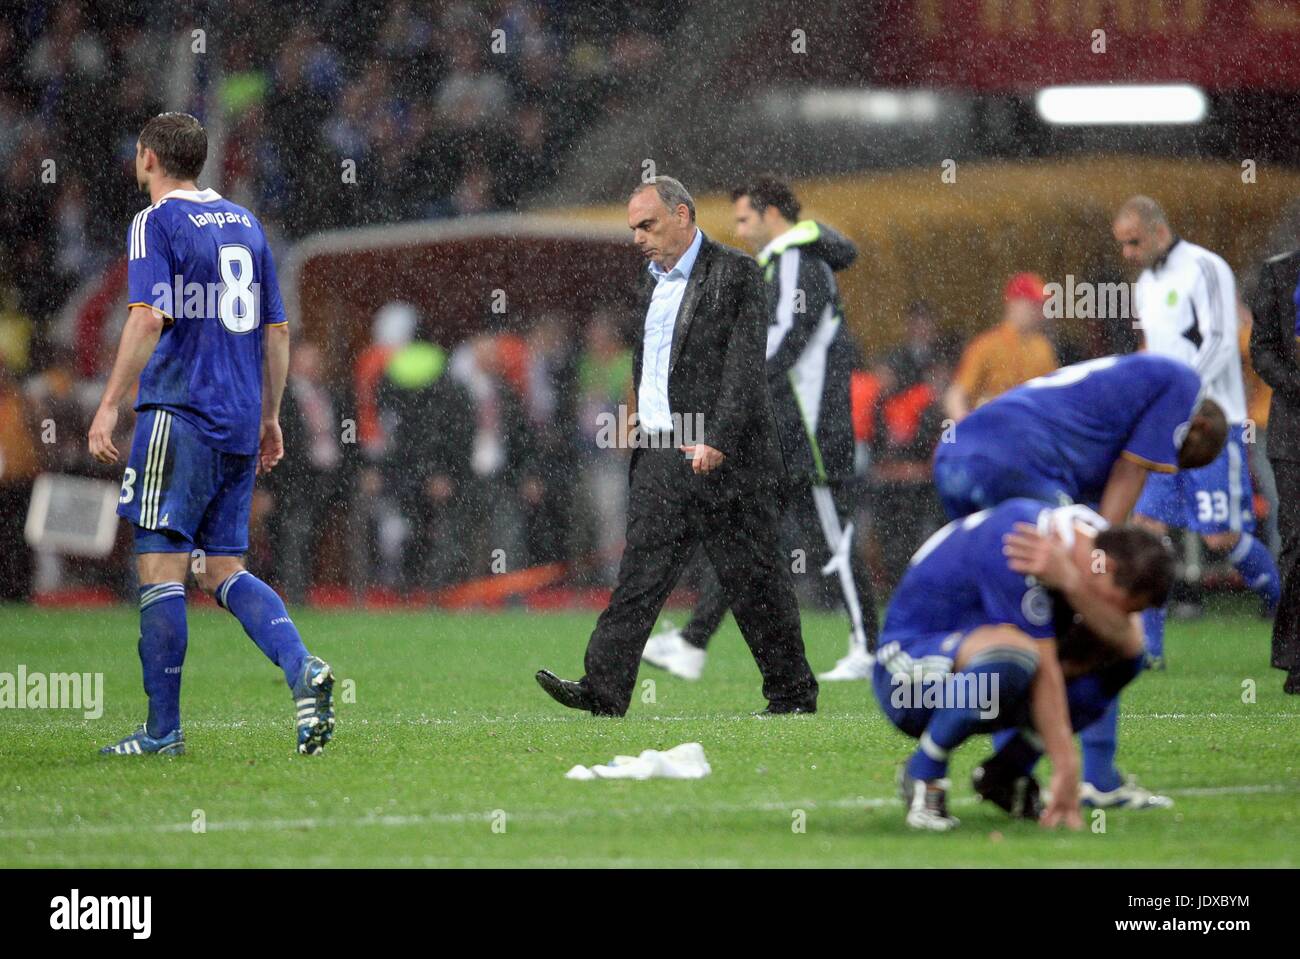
(969, 646)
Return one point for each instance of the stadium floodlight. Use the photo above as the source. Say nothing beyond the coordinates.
(879, 107)
(1133, 105)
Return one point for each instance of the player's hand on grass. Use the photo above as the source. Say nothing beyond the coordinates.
(1063, 810)
(270, 446)
(101, 435)
(1044, 557)
(704, 459)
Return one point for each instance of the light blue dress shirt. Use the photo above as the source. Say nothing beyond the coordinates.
(657, 345)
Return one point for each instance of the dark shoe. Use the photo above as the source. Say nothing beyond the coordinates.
(1011, 791)
(568, 693)
(1292, 684)
(788, 709)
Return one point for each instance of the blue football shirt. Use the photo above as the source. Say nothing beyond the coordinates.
(204, 264)
(959, 580)
(1073, 424)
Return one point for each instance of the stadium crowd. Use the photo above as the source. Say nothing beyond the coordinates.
(411, 501)
(398, 93)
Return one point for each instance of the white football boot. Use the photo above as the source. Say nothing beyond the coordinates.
(856, 665)
(668, 650)
(1128, 796)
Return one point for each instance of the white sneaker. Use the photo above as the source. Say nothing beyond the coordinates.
(856, 665)
(661, 645)
(1128, 796)
(668, 650)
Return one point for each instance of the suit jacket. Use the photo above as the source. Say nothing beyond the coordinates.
(716, 364)
(1273, 351)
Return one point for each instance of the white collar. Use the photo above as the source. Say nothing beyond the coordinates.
(195, 196)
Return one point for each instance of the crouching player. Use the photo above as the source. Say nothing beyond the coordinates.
(970, 646)
(1089, 433)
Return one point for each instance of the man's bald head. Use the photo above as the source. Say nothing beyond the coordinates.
(1142, 231)
(1147, 210)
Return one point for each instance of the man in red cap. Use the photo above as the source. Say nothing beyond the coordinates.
(1011, 353)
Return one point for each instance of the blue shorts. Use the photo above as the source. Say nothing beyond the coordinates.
(910, 671)
(970, 482)
(1217, 498)
(901, 659)
(182, 494)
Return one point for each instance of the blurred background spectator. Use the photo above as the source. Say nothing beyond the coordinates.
(1011, 353)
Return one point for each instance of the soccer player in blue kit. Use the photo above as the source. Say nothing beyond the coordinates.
(972, 644)
(1088, 433)
(207, 339)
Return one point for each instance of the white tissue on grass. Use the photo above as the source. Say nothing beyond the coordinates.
(681, 762)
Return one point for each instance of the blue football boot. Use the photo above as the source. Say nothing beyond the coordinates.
(140, 743)
(313, 695)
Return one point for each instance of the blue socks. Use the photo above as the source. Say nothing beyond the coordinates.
(1098, 742)
(164, 636)
(1153, 628)
(1094, 711)
(1005, 674)
(1254, 562)
(262, 614)
(1094, 714)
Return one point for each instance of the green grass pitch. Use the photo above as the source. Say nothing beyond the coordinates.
(450, 755)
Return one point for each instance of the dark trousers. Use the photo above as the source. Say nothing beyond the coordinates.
(805, 533)
(16, 564)
(1286, 625)
(671, 511)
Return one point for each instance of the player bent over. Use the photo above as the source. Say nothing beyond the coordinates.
(211, 370)
(1095, 433)
(970, 645)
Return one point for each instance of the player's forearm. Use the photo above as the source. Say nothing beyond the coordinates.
(1120, 631)
(1211, 357)
(139, 339)
(1123, 488)
(276, 370)
(1050, 712)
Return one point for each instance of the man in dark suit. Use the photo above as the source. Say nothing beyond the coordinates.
(1273, 352)
(698, 369)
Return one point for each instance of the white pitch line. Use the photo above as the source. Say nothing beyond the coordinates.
(855, 719)
(543, 815)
